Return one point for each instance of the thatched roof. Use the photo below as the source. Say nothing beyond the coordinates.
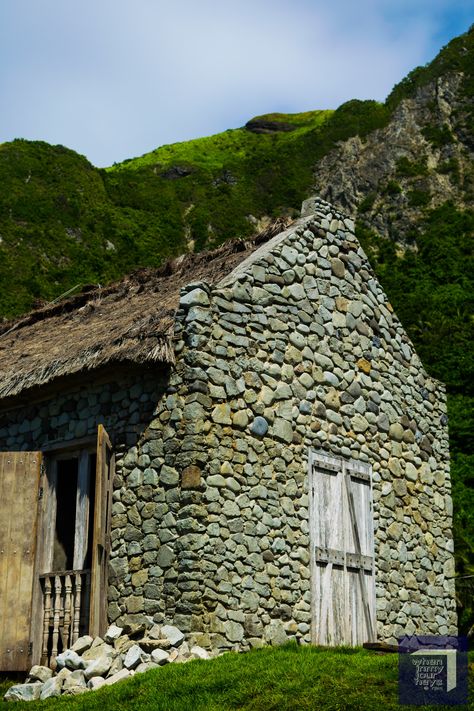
(129, 321)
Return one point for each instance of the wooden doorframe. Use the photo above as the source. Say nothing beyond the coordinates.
(105, 470)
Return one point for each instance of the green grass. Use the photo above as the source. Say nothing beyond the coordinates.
(288, 678)
(218, 151)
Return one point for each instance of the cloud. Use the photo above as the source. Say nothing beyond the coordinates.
(115, 78)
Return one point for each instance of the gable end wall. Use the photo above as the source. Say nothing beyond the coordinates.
(302, 350)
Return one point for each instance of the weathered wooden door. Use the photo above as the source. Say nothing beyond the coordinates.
(19, 489)
(342, 551)
(101, 538)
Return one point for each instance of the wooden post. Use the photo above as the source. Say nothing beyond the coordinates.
(77, 606)
(56, 618)
(100, 545)
(67, 611)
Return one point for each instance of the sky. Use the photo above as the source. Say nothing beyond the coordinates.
(113, 79)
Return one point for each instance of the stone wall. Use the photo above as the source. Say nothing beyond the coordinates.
(121, 399)
(297, 349)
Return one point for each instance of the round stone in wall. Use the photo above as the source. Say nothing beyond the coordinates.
(259, 426)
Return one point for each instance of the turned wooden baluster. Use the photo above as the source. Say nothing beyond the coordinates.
(77, 607)
(87, 600)
(46, 619)
(67, 611)
(57, 617)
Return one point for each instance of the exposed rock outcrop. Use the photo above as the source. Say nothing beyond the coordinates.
(422, 158)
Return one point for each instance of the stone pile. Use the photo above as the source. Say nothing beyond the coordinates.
(92, 663)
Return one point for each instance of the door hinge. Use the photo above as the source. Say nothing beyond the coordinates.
(40, 493)
(30, 649)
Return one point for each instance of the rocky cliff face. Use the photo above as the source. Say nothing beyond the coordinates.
(421, 159)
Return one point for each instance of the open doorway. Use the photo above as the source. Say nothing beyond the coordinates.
(66, 577)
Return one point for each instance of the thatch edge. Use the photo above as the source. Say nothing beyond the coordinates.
(141, 352)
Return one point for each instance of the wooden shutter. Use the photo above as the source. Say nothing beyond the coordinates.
(101, 537)
(19, 488)
(341, 521)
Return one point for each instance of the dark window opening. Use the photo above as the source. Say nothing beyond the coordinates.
(74, 528)
(66, 495)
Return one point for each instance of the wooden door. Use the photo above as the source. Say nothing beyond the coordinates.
(101, 537)
(19, 491)
(342, 551)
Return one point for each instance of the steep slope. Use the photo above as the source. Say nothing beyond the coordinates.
(421, 159)
(59, 227)
(64, 222)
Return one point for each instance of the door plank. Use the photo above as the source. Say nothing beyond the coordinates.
(19, 475)
(354, 520)
(332, 485)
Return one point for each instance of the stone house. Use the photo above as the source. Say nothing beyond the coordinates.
(243, 444)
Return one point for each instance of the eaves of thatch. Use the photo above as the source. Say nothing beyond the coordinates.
(130, 321)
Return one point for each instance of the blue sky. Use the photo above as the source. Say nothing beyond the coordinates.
(113, 79)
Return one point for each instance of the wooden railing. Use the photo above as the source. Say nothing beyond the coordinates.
(66, 596)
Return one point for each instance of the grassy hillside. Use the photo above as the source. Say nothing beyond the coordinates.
(288, 678)
(59, 227)
(64, 222)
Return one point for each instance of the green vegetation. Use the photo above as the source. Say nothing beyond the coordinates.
(392, 188)
(408, 169)
(439, 136)
(432, 290)
(450, 166)
(367, 203)
(457, 56)
(418, 198)
(59, 228)
(64, 222)
(270, 679)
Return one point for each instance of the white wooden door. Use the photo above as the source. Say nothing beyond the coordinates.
(342, 551)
